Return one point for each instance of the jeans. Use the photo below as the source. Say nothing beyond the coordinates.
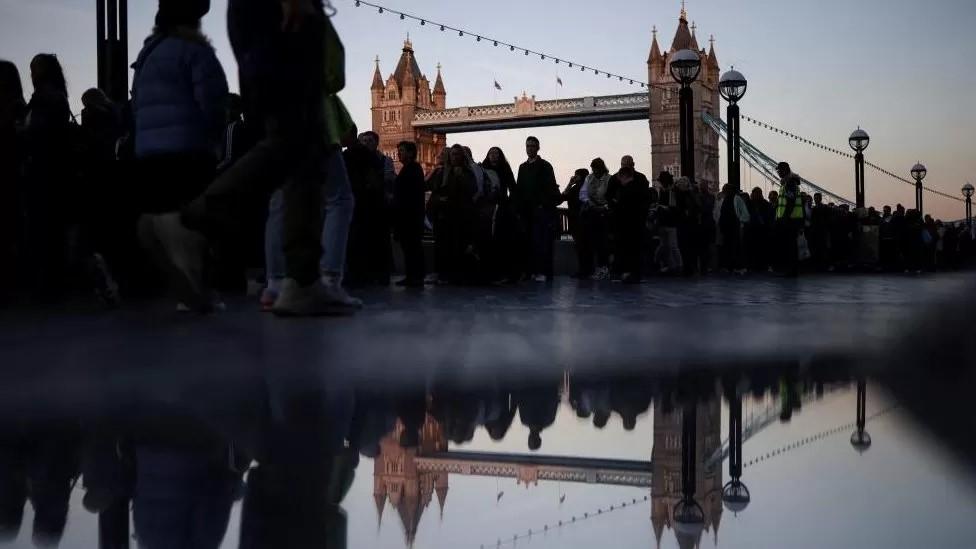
(338, 205)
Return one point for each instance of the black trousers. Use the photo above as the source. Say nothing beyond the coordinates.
(411, 239)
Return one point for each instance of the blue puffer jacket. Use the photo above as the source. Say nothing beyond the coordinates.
(178, 96)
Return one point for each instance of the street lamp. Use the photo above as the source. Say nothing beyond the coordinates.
(733, 86)
(860, 439)
(735, 495)
(918, 174)
(967, 191)
(859, 141)
(685, 67)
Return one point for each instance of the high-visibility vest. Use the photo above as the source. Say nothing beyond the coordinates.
(796, 213)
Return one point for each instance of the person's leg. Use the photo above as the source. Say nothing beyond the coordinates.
(339, 207)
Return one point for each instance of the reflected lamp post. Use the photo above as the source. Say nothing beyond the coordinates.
(859, 141)
(733, 86)
(735, 495)
(918, 174)
(685, 68)
(860, 439)
(967, 192)
(688, 515)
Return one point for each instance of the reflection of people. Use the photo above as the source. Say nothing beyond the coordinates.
(186, 483)
(537, 408)
(630, 397)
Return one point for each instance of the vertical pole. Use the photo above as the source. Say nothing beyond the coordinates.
(689, 428)
(859, 179)
(969, 213)
(735, 164)
(918, 196)
(861, 404)
(735, 437)
(113, 526)
(687, 122)
(101, 44)
(112, 48)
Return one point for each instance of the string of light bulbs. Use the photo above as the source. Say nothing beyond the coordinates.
(501, 43)
(844, 154)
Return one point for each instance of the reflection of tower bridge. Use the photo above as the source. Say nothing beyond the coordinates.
(530, 469)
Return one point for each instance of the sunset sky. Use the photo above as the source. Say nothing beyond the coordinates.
(900, 69)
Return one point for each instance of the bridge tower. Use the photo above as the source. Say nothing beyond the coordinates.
(666, 456)
(397, 479)
(664, 115)
(397, 101)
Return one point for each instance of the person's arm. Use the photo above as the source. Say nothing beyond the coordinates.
(209, 89)
(552, 186)
(584, 191)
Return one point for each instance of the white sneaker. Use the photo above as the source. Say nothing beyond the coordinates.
(311, 300)
(602, 273)
(540, 278)
(333, 288)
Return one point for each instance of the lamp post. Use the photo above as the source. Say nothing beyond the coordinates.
(685, 67)
(733, 86)
(859, 141)
(687, 515)
(967, 191)
(918, 174)
(735, 495)
(860, 439)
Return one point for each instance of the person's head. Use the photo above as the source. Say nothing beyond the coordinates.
(818, 199)
(783, 170)
(630, 422)
(532, 147)
(173, 14)
(627, 164)
(468, 154)
(580, 175)
(757, 194)
(665, 179)
(773, 196)
(900, 209)
(496, 157)
(887, 211)
(726, 189)
(683, 184)
(599, 167)
(11, 88)
(407, 151)
(535, 440)
(457, 157)
(370, 139)
(600, 419)
(46, 73)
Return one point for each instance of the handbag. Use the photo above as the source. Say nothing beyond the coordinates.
(338, 121)
(802, 248)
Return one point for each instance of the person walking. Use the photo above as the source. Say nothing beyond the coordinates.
(731, 214)
(408, 214)
(283, 66)
(596, 217)
(628, 195)
(537, 196)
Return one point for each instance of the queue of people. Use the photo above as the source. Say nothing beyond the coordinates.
(187, 186)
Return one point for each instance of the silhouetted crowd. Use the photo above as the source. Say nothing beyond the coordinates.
(188, 187)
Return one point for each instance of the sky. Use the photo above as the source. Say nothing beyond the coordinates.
(897, 68)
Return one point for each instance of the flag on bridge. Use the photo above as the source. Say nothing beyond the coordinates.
(498, 86)
(559, 81)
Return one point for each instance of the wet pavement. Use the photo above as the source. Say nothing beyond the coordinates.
(824, 412)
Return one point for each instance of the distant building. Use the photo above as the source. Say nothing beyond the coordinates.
(664, 116)
(396, 102)
(397, 480)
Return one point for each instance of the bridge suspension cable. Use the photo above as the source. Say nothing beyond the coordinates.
(826, 148)
(481, 38)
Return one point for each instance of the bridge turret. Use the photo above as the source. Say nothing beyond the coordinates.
(440, 93)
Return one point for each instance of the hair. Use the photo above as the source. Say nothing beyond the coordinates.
(535, 441)
(95, 98)
(11, 88)
(582, 172)
(173, 14)
(665, 178)
(53, 74)
(784, 166)
(410, 146)
(372, 134)
(532, 139)
(599, 165)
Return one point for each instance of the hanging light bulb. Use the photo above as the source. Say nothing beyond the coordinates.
(442, 28)
(422, 22)
(402, 17)
(381, 10)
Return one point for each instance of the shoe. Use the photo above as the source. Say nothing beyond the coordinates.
(408, 283)
(539, 278)
(216, 305)
(182, 252)
(335, 292)
(602, 273)
(268, 298)
(312, 300)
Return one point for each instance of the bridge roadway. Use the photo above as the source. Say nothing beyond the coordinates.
(529, 113)
(528, 468)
